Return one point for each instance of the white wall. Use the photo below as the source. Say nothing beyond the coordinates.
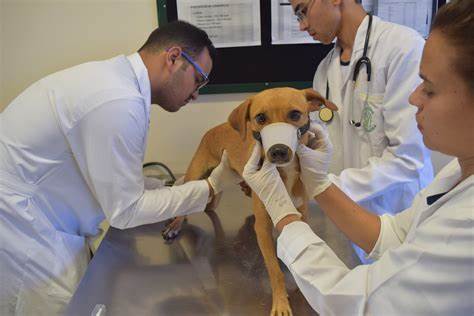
(43, 36)
(38, 37)
(175, 136)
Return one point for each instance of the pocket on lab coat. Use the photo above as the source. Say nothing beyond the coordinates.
(69, 251)
(370, 115)
(73, 254)
(55, 263)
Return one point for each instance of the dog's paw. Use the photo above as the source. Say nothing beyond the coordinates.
(281, 306)
(173, 228)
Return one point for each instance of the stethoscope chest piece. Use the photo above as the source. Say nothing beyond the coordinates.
(326, 115)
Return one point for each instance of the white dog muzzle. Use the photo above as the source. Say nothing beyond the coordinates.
(279, 142)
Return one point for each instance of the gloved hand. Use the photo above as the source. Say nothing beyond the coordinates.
(222, 175)
(269, 186)
(153, 183)
(315, 160)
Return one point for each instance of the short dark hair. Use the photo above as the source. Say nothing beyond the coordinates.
(191, 38)
(455, 21)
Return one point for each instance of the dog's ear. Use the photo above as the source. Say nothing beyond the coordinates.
(315, 100)
(239, 117)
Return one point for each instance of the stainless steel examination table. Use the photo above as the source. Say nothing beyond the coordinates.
(213, 268)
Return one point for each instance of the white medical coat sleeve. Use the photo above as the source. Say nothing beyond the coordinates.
(404, 157)
(393, 230)
(431, 273)
(321, 276)
(108, 144)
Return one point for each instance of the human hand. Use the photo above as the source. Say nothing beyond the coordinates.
(223, 175)
(314, 161)
(268, 185)
(152, 183)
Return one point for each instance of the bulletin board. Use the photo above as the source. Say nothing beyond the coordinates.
(256, 68)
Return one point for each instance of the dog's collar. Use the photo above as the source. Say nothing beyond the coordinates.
(301, 131)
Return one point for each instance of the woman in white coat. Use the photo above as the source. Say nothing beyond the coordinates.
(379, 158)
(424, 258)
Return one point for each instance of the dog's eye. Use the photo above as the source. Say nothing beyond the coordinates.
(260, 118)
(294, 115)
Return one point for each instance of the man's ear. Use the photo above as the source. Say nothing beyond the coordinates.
(239, 117)
(315, 100)
(172, 56)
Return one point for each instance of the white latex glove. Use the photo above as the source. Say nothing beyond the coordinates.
(153, 183)
(315, 160)
(222, 175)
(269, 186)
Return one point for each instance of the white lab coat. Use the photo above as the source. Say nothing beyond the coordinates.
(71, 153)
(425, 259)
(385, 168)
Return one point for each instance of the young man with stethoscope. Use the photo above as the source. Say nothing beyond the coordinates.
(379, 157)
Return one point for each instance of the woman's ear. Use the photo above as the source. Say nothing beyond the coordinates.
(239, 117)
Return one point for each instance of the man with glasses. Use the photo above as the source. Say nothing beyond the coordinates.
(379, 157)
(71, 153)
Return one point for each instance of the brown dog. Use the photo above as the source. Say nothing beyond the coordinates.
(237, 137)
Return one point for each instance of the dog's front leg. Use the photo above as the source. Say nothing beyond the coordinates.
(173, 226)
(264, 229)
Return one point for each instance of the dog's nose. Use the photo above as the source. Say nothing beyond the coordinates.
(279, 154)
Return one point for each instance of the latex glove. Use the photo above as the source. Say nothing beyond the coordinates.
(315, 160)
(269, 186)
(153, 183)
(222, 175)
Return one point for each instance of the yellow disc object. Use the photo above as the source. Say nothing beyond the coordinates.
(326, 115)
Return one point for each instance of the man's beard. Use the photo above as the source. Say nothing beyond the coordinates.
(169, 94)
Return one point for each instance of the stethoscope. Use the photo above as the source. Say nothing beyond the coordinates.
(325, 114)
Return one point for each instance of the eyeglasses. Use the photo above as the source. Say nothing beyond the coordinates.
(204, 77)
(301, 13)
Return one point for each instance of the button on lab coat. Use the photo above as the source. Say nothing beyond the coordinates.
(424, 259)
(382, 169)
(71, 153)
